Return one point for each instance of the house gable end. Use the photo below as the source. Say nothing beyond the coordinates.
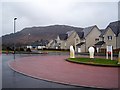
(108, 28)
(114, 26)
(89, 30)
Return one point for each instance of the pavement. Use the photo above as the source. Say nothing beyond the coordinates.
(54, 68)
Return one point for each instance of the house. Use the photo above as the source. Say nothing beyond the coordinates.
(111, 35)
(88, 37)
(81, 42)
(64, 41)
(73, 39)
(80, 39)
(51, 44)
(61, 41)
(40, 44)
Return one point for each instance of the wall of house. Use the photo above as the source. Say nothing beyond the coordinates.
(50, 44)
(62, 45)
(77, 41)
(83, 48)
(58, 39)
(118, 41)
(112, 42)
(90, 38)
(73, 40)
(70, 40)
(100, 38)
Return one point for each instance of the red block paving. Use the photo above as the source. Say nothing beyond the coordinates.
(55, 68)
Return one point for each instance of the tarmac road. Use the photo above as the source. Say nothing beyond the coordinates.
(12, 79)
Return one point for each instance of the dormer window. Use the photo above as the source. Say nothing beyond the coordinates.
(109, 37)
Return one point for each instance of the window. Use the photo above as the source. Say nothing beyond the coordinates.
(97, 39)
(102, 38)
(59, 44)
(109, 37)
(77, 40)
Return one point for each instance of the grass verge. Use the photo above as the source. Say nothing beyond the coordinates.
(95, 61)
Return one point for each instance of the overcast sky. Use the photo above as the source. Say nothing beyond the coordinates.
(79, 13)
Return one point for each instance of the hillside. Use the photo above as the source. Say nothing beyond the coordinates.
(31, 34)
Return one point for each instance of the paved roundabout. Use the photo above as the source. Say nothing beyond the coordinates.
(56, 69)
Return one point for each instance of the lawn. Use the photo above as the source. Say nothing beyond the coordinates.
(95, 61)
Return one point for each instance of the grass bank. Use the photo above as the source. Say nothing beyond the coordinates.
(95, 61)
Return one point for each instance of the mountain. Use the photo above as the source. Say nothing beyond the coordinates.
(31, 34)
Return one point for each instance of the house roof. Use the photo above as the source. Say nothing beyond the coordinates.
(115, 27)
(55, 41)
(100, 43)
(80, 34)
(87, 30)
(40, 43)
(102, 30)
(69, 33)
(63, 36)
(80, 44)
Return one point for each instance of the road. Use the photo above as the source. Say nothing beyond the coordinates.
(12, 79)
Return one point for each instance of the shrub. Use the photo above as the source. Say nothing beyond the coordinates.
(28, 50)
(21, 49)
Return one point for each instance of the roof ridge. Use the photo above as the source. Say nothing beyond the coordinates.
(87, 30)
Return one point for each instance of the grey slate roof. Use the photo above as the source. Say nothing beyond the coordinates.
(87, 30)
(63, 36)
(81, 34)
(80, 44)
(102, 30)
(102, 33)
(40, 43)
(115, 26)
(69, 33)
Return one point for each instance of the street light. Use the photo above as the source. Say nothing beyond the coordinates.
(28, 40)
(14, 33)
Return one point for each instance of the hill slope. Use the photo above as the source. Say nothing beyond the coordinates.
(31, 34)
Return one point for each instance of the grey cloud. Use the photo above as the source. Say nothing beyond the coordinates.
(78, 14)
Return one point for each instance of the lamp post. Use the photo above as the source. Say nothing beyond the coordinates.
(14, 33)
(28, 40)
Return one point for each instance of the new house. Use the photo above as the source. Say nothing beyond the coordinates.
(89, 36)
(39, 44)
(110, 36)
(82, 39)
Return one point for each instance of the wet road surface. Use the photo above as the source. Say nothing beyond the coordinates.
(12, 79)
